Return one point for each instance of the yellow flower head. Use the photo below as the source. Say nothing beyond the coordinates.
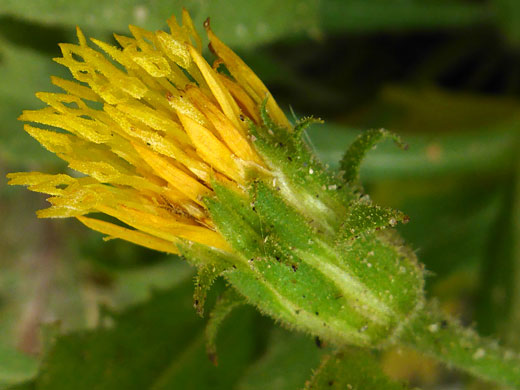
(150, 125)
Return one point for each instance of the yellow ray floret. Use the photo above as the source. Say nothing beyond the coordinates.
(148, 125)
(134, 236)
(245, 77)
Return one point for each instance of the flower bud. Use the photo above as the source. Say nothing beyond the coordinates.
(309, 252)
(209, 166)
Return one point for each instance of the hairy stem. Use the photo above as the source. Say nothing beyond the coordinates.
(435, 334)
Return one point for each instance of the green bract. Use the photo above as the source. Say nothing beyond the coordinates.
(311, 250)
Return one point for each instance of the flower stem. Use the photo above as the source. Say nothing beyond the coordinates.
(436, 334)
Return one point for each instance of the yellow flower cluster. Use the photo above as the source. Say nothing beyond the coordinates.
(149, 125)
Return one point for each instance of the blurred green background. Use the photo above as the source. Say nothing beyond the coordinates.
(444, 74)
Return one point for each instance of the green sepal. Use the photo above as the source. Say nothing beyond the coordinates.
(211, 263)
(288, 225)
(304, 182)
(266, 118)
(305, 299)
(307, 279)
(239, 202)
(225, 304)
(366, 217)
(201, 255)
(206, 276)
(357, 151)
(237, 231)
(387, 268)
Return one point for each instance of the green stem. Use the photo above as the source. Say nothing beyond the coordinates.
(435, 334)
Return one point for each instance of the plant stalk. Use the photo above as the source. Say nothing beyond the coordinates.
(435, 334)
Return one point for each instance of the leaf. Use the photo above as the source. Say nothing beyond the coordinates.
(133, 286)
(239, 338)
(23, 386)
(235, 23)
(15, 366)
(288, 361)
(508, 15)
(351, 369)
(370, 15)
(155, 345)
(22, 72)
(449, 224)
(463, 135)
(256, 22)
(499, 288)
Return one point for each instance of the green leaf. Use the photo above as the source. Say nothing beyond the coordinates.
(449, 134)
(23, 386)
(499, 289)
(156, 345)
(497, 274)
(133, 286)
(239, 338)
(15, 366)
(304, 123)
(351, 369)
(235, 23)
(256, 22)
(22, 73)
(508, 15)
(448, 223)
(370, 15)
(286, 364)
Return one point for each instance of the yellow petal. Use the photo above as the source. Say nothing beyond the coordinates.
(156, 119)
(41, 182)
(242, 98)
(187, 24)
(166, 228)
(214, 152)
(134, 236)
(224, 99)
(88, 129)
(75, 89)
(233, 137)
(246, 78)
(177, 178)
